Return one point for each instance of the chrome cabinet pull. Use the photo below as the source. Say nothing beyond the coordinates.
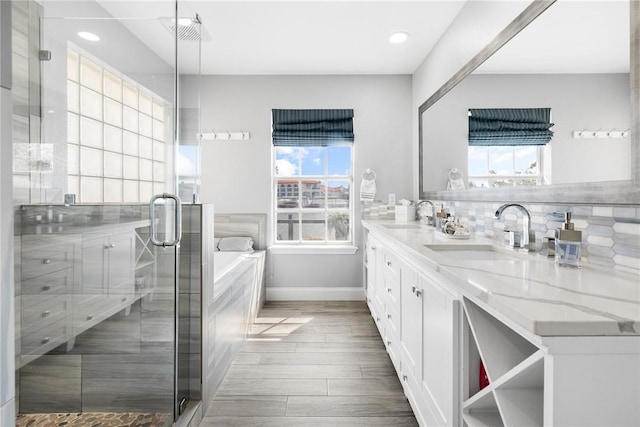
(388, 263)
(46, 340)
(389, 343)
(405, 378)
(89, 317)
(373, 247)
(46, 313)
(110, 246)
(389, 290)
(418, 293)
(389, 316)
(413, 289)
(47, 261)
(46, 288)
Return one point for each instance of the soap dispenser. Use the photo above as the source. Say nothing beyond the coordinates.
(568, 244)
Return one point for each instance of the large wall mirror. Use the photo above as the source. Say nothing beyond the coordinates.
(572, 57)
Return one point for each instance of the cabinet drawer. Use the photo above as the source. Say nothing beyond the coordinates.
(39, 261)
(391, 266)
(45, 339)
(392, 317)
(392, 343)
(90, 312)
(392, 292)
(58, 282)
(40, 311)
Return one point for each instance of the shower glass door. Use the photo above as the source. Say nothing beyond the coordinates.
(97, 301)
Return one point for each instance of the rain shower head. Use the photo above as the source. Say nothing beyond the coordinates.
(189, 29)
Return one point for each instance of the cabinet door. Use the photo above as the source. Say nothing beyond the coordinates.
(121, 262)
(94, 261)
(372, 250)
(439, 338)
(411, 329)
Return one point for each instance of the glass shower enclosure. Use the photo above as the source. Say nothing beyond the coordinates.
(102, 330)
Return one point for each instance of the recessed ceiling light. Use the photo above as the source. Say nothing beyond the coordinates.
(399, 37)
(88, 36)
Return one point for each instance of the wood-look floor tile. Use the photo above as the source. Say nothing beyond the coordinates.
(267, 346)
(348, 406)
(377, 371)
(325, 358)
(384, 386)
(248, 406)
(270, 387)
(311, 359)
(294, 371)
(340, 347)
(302, 338)
(309, 422)
(352, 338)
(247, 359)
(380, 358)
(312, 328)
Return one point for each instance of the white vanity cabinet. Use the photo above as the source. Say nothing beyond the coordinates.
(371, 277)
(419, 327)
(510, 344)
(429, 346)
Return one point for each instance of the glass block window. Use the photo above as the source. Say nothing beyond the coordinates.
(117, 135)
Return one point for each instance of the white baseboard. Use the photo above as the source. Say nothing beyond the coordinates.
(315, 294)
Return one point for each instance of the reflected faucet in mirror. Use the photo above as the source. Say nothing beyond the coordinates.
(528, 240)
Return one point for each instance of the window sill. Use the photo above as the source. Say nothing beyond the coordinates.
(313, 250)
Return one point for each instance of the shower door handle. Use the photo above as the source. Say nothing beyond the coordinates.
(177, 217)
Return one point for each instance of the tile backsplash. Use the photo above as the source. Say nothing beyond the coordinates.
(610, 234)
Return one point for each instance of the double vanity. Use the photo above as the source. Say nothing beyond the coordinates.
(483, 335)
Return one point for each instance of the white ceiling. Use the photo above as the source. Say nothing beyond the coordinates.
(572, 36)
(301, 37)
(351, 36)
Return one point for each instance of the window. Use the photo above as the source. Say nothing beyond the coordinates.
(313, 201)
(504, 166)
(506, 146)
(116, 135)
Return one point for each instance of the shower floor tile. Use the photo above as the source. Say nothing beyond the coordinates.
(93, 419)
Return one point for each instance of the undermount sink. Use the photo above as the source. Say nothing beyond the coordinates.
(403, 226)
(476, 253)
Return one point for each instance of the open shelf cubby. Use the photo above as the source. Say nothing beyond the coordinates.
(482, 411)
(500, 348)
(514, 366)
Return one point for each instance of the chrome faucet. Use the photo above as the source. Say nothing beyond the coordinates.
(528, 237)
(430, 219)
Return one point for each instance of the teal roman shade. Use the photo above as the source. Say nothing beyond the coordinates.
(509, 126)
(312, 127)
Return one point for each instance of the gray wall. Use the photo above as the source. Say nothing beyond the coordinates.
(476, 25)
(577, 102)
(236, 175)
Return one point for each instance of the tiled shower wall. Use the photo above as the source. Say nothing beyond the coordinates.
(610, 234)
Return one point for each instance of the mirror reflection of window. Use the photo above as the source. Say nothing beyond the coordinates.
(506, 146)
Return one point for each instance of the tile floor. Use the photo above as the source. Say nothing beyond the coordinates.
(311, 364)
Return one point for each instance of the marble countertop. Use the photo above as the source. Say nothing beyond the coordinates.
(528, 289)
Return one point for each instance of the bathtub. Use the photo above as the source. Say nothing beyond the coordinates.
(244, 269)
